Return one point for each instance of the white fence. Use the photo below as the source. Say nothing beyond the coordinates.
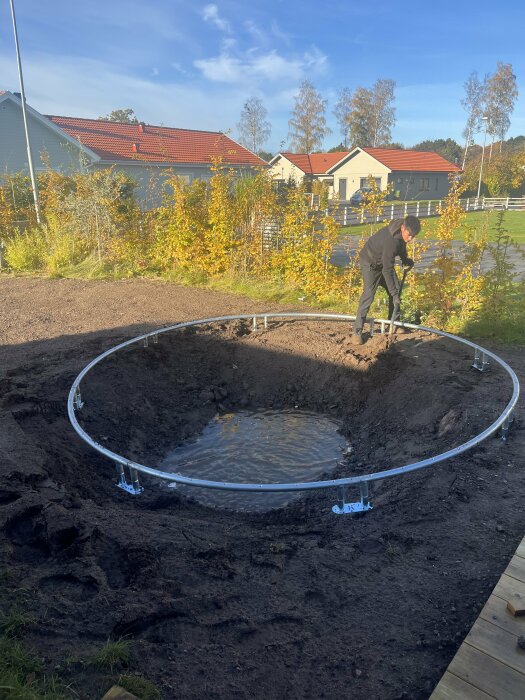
(346, 215)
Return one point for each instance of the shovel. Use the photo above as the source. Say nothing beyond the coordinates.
(406, 270)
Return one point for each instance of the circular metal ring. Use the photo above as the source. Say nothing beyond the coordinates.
(74, 403)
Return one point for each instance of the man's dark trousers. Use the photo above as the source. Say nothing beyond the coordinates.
(372, 279)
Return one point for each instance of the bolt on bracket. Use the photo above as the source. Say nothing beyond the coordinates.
(77, 400)
(481, 362)
(346, 508)
(133, 485)
(506, 427)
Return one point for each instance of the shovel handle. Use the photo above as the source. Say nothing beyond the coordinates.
(406, 270)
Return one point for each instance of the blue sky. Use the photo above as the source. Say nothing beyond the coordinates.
(194, 64)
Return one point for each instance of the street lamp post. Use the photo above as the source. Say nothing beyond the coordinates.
(486, 120)
(24, 116)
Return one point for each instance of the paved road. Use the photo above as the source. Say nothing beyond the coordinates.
(348, 244)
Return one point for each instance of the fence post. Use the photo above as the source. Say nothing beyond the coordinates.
(391, 212)
(406, 208)
(345, 209)
(417, 209)
(507, 205)
(466, 206)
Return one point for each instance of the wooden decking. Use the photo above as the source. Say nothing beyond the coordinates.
(489, 664)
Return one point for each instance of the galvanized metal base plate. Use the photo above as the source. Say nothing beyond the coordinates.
(129, 488)
(350, 508)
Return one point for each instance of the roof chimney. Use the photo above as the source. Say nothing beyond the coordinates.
(135, 147)
(142, 128)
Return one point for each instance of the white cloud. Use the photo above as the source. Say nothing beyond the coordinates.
(179, 68)
(89, 88)
(256, 32)
(278, 33)
(210, 13)
(257, 67)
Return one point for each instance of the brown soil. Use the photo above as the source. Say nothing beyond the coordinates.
(295, 602)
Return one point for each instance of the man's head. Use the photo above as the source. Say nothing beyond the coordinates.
(410, 227)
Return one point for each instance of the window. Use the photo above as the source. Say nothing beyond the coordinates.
(437, 183)
(425, 184)
(364, 182)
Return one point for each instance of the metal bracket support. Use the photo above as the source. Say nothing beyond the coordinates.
(345, 508)
(133, 485)
(481, 362)
(506, 427)
(77, 400)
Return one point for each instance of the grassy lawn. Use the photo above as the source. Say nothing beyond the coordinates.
(513, 222)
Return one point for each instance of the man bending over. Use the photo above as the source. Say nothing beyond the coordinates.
(377, 260)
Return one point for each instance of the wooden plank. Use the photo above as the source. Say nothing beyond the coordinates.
(495, 611)
(507, 586)
(494, 678)
(498, 643)
(451, 687)
(516, 568)
(520, 552)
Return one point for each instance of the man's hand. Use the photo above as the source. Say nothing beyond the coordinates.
(408, 264)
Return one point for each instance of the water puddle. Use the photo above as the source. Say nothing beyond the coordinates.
(258, 447)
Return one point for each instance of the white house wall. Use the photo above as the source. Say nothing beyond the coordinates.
(360, 166)
(46, 145)
(283, 169)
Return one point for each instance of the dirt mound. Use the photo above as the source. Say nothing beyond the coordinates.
(292, 603)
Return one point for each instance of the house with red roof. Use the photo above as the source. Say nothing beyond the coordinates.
(413, 174)
(145, 152)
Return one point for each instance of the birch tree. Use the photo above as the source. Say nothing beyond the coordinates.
(501, 96)
(372, 114)
(473, 104)
(360, 117)
(342, 112)
(307, 125)
(383, 111)
(254, 130)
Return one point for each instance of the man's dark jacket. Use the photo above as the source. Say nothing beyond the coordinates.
(381, 249)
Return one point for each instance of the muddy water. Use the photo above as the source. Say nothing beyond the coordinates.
(265, 446)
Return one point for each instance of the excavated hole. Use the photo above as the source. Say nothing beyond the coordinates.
(382, 403)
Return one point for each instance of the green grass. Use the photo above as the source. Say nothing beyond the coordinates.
(110, 656)
(139, 686)
(513, 222)
(13, 623)
(22, 675)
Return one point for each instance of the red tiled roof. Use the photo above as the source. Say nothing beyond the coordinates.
(315, 163)
(154, 144)
(398, 159)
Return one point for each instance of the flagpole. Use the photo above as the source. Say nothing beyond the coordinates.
(24, 115)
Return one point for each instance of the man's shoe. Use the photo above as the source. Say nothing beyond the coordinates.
(357, 339)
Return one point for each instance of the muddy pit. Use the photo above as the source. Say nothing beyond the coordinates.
(292, 602)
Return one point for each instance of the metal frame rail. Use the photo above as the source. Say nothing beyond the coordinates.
(128, 471)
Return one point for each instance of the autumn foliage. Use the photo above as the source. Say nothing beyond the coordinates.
(245, 228)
